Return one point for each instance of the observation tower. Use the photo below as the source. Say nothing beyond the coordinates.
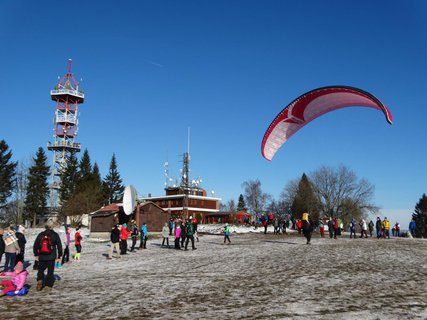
(67, 96)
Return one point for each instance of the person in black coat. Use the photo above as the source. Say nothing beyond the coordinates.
(2, 245)
(21, 242)
(307, 229)
(46, 258)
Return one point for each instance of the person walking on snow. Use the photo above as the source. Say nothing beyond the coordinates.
(386, 228)
(363, 228)
(66, 256)
(47, 248)
(134, 235)
(378, 227)
(307, 227)
(227, 233)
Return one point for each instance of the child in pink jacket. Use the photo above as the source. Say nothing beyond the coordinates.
(17, 281)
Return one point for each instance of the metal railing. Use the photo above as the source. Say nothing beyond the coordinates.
(67, 91)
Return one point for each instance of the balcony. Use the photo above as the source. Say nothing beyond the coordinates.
(62, 94)
(60, 145)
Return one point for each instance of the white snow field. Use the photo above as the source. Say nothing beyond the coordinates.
(257, 276)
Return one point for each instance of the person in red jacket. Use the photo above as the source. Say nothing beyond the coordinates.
(124, 234)
(78, 243)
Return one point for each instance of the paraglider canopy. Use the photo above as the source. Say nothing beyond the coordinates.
(312, 105)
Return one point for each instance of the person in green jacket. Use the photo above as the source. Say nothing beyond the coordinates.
(227, 233)
(189, 232)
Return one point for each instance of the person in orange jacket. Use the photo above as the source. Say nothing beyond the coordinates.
(124, 234)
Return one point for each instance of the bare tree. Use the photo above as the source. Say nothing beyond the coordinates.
(255, 198)
(341, 193)
(287, 196)
(230, 206)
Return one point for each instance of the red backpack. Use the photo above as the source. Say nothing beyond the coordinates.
(46, 245)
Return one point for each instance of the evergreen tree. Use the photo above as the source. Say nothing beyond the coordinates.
(420, 217)
(70, 177)
(305, 200)
(113, 184)
(7, 173)
(85, 169)
(241, 206)
(38, 189)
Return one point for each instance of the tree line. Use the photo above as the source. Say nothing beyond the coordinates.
(326, 192)
(25, 193)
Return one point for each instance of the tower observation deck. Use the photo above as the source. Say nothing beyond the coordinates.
(67, 96)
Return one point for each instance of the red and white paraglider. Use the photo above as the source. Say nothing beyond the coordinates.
(312, 105)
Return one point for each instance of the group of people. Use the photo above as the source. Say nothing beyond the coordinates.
(184, 231)
(48, 253)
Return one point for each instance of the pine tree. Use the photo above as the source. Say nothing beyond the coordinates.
(420, 217)
(38, 189)
(85, 169)
(113, 184)
(70, 177)
(241, 206)
(305, 200)
(7, 173)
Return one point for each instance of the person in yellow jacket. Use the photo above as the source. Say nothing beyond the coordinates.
(386, 228)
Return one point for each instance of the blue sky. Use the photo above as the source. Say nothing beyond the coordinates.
(151, 69)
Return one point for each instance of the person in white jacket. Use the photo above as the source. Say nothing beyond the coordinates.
(364, 228)
(165, 234)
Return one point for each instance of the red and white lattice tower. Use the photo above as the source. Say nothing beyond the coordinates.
(67, 96)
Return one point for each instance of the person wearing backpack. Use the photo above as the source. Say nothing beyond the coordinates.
(47, 248)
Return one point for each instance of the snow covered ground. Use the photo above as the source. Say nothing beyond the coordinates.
(258, 276)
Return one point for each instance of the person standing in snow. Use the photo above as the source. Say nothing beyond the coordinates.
(115, 242)
(144, 236)
(353, 228)
(165, 234)
(331, 228)
(227, 233)
(134, 235)
(124, 234)
(386, 228)
(177, 236)
(11, 249)
(371, 228)
(21, 242)
(189, 232)
(66, 256)
(78, 243)
(378, 227)
(183, 233)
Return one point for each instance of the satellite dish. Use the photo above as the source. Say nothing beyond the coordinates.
(129, 200)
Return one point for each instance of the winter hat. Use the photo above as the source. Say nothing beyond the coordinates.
(124, 225)
(191, 217)
(19, 266)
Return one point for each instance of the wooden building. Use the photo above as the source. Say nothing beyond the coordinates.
(182, 202)
(103, 220)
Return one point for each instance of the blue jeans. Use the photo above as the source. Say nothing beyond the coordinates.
(9, 264)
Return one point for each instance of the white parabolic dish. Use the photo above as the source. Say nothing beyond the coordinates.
(129, 200)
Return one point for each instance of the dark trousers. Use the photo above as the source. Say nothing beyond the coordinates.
(78, 248)
(336, 233)
(177, 244)
(227, 237)
(307, 235)
(123, 246)
(19, 257)
(167, 241)
(50, 266)
(133, 244)
(66, 255)
(9, 263)
(192, 242)
(182, 241)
